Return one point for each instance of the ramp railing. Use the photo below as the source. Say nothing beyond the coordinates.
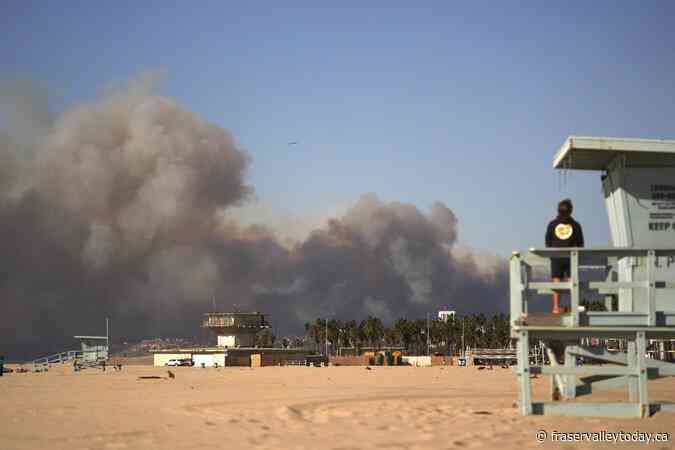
(42, 364)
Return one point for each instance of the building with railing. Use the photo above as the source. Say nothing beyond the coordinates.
(235, 329)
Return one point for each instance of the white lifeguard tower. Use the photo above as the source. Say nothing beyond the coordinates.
(94, 352)
(93, 348)
(638, 179)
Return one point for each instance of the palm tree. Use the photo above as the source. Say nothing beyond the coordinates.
(502, 330)
(373, 330)
(420, 334)
(452, 330)
(316, 332)
(334, 332)
(440, 335)
(265, 339)
(352, 334)
(468, 331)
(405, 332)
(391, 337)
(481, 331)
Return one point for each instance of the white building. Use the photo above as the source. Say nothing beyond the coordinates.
(446, 315)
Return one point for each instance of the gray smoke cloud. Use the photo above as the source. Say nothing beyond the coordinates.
(389, 260)
(122, 207)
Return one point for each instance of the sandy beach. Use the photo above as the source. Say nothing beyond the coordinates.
(336, 408)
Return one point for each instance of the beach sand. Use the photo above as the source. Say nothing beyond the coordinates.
(335, 408)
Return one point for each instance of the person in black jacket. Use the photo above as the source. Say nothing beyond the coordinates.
(563, 232)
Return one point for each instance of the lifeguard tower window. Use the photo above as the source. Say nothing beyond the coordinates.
(94, 348)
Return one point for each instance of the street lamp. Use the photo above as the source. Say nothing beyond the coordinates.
(326, 331)
(463, 347)
(428, 337)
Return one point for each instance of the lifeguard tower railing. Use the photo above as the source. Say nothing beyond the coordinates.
(645, 316)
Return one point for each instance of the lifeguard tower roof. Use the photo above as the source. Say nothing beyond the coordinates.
(597, 153)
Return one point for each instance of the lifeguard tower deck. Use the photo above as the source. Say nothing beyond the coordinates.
(638, 179)
(235, 329)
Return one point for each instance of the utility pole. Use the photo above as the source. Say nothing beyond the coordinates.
(326, 323)
(428, 337)
(463, 347)
(107, 336)
(159, 317)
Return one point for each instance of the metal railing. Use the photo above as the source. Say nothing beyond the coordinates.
(233, 323)
(628, 275)
(40, 364)
(523, 285)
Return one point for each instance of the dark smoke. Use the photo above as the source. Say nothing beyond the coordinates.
(121, 208)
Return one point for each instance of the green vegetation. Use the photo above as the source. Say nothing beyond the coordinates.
(444, 336)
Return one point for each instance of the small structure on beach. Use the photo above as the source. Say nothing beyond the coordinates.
(93, 348)
(94, 352)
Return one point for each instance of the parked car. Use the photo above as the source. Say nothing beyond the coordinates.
(173, 362)
(186, 362)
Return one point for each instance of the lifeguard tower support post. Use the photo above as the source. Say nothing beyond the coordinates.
(638, 179)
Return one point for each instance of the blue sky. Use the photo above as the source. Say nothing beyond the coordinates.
(462, 102)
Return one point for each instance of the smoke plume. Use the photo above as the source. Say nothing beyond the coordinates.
(122, 207)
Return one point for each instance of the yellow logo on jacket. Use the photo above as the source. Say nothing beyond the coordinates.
(563, 231)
